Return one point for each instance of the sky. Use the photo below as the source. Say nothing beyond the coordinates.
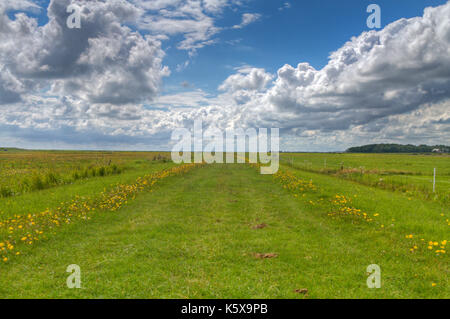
(138, 69)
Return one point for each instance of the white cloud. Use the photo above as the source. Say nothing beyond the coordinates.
(195, 20)
(19, 5)
(247, 78)
(191, 99)
(245, 85)
(378, 74)
(103, 62)
(247, 18)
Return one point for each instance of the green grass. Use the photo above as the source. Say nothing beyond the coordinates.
(49, 198)
(193, 237)
(416, 164)
(406, 173)
(26, 171)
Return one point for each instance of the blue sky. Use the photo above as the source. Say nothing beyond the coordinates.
(138, 69)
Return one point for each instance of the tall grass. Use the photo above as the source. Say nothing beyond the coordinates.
(39, 181)
(27, 171)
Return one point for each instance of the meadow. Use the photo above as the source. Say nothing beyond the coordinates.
(26, 171)
(409, 174)
(140, 226)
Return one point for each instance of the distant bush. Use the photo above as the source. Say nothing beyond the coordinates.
(5, 192)
(397, 148)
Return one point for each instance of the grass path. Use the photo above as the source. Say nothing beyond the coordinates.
(194, 237)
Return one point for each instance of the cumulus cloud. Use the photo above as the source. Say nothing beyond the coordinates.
(247, 78)
(10, 87)
(103, 62)
(244, 85)
(375, 75)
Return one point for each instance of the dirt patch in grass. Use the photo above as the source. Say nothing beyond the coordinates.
(260, 226)
(266, 256)
(303, 291)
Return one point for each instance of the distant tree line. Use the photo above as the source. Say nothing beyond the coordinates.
(398, 148)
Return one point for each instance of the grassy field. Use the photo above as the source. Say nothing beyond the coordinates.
(409, 174)
(26, 171)
(158, 230)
